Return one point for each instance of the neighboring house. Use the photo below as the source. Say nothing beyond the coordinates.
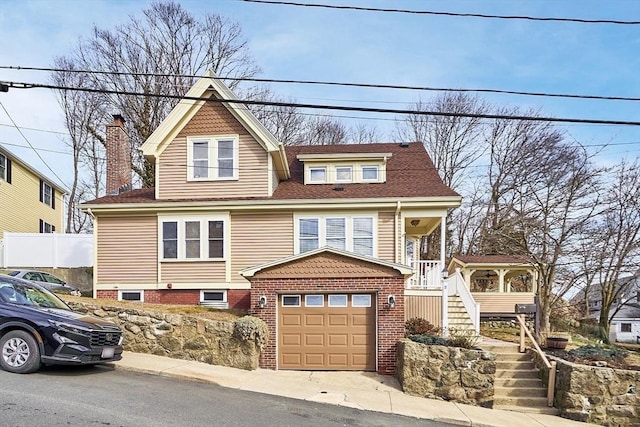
(625, 323)
(321, 242)
(29, 201)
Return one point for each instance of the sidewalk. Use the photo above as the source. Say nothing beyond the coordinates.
(362, 390)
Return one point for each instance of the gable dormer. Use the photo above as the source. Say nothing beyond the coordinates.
(344, 168)
(208, 148)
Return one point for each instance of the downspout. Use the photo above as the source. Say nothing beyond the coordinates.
(396, 221)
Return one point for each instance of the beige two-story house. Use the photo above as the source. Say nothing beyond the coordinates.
(29, 201)
(321, 242)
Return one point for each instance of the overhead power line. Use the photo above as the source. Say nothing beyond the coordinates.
(22, 85)
(425, 12)
(328, 83)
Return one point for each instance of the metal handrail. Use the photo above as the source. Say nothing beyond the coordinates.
(551, 366)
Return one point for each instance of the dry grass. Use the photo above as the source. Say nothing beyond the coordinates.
(189, 310)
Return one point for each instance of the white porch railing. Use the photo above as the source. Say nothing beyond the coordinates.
(456, 286)
(428, 275)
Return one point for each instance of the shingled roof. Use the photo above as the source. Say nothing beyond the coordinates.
(410, 174)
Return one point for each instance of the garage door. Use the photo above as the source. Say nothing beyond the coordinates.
(327, 332)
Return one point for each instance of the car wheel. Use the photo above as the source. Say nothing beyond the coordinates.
(20, 352)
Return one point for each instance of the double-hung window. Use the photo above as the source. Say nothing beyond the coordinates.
(5, 168)
(212, 158)
(349, 232)
(46, 194)
(192, 239)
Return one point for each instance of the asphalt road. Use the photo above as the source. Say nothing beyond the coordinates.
(101, 396)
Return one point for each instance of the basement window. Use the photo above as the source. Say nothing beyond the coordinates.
(137, 296)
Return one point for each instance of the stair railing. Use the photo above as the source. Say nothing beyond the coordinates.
(551, 366)
(458, 287)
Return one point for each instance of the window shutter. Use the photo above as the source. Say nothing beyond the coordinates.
(41, 185)
(53, 228)
(41, 226)
(8, 170)
(53, 197)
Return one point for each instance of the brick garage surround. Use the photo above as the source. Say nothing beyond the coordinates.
(390, 325)
(237, 298)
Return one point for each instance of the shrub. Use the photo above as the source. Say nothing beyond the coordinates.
(464, 339)
(249, 328)
(420, 326)
(593, 352)
(428, 339)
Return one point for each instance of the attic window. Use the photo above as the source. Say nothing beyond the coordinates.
(318, 175)
(212, 158)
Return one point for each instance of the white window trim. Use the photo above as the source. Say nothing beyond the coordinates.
(317, 181)
(346, 300)
(377, 178)
(51, 194)
(224, 295)
(204, 237)
(322, 231)
(3, 176)
(350, 173)
(131, 291)
(213, 141)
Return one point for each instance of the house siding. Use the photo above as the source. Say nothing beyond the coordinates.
(198, 273)
(119, 241)
(386, 236)
(23, 194)
(501, 303)
(259, 237)
(253, 163)
(428, 307)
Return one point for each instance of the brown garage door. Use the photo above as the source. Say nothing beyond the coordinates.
(327, 332)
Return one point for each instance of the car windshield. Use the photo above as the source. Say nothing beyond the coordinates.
(17, 293)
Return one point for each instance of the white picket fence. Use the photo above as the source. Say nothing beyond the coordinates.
(54, 250)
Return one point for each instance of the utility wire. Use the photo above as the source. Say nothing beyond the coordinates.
(328, 83)
(425, 12)
(22, 85)
(61, 181)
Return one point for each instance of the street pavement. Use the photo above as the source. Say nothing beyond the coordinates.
(361, 390)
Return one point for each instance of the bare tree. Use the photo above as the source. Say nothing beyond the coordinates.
(157, 54)
(81, 110)
(613, 242)
(453, 142)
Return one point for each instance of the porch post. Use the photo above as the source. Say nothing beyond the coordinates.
(443, 239)
(445, 304)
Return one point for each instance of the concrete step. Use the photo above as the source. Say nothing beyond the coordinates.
(517, 374)
(513, 357)
(518, 382)
(531, 402)
(548, 410)
(501, 349)
(500, 392)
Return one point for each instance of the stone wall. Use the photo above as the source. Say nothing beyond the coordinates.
(447, 373)
(183, 337)
(603, 396)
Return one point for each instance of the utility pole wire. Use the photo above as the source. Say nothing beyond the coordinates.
(425, 12)
(328, 83)
(21, 85)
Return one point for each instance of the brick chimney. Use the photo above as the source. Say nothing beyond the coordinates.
(118, 157)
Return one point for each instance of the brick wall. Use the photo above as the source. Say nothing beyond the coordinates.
(237, 298)
(390, 320)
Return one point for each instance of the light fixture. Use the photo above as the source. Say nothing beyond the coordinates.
(262, 301)
(445, 273)
(391, 301)
(415, 222)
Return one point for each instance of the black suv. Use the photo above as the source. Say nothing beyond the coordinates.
(37, 327)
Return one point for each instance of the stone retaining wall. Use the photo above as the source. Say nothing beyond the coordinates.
(603, 396)
(447, 373)
(184, 337)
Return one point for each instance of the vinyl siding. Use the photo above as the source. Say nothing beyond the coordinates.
(426, 307)
(23, 196)
(493, 302)
(213, 119)
(386, 237)
(127, 250)
(193, 272)
(257, 238)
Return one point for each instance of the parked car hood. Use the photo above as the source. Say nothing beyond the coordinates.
(60, 314)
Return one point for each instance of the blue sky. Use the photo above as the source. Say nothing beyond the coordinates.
(305, 43)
